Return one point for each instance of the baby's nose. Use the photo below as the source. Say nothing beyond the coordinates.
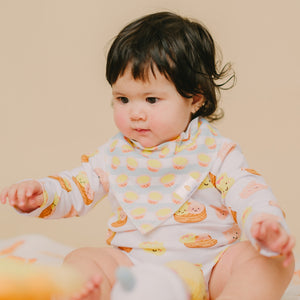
(138, 113)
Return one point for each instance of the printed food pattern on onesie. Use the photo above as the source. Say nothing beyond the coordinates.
(130, 197)
(122, 180)
(226, 148)
(85, 158)
(64, 182)
(233, 234)
(224, 183)
(48, 211)
(115, 162)
(191, 212)
(154, 165)
(153, 247)
(144, 181)
(192, 240)
(154, 197)
(221, 211)
(209, 182)
(132, 163)
(126, 249)
(83, 185)
(246, 214)
(251, 188)
(121, 218)
(127, 148)
(110, 236)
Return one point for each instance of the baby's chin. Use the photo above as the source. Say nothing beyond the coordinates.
(151, 143)
(146, 144)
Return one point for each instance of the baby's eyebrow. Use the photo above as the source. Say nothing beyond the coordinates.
(149, 93)
(117, 93)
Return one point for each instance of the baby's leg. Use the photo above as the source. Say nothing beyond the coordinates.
(98, 265)
(242, 273)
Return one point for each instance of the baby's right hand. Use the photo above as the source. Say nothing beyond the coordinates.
(25, 196)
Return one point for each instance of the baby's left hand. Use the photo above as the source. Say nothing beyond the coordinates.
(270, 234)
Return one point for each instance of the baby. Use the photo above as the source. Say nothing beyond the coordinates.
(179, 190)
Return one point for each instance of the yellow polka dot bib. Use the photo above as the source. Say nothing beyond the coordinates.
(151, 184)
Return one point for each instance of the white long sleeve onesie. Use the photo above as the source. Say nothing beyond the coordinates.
(187, 199)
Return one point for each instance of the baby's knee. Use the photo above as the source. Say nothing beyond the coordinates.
(78, 254)
(246, 254)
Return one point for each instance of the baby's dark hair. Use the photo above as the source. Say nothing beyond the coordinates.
(181, 49)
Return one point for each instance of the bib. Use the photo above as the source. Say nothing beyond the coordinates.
(151, 184)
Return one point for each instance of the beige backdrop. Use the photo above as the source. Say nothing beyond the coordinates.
(55, 102)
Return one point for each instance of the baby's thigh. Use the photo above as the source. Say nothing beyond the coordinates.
(104, 261)
(235, 255)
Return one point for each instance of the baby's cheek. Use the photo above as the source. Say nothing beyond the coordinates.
(120, 121)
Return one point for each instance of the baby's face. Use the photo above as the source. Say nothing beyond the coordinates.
(150, 112)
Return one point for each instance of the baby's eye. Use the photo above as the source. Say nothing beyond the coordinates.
(151, 100)
(123, 99)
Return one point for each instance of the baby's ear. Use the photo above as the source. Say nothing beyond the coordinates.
(198, 101)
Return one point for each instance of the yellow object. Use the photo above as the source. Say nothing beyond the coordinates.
(24, 281)
(192, 276)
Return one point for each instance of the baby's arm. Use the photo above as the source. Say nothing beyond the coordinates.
(25, 196)
(255, 208)
(66, 194)
(270, 234)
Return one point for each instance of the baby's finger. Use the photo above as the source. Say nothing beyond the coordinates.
(288, 247)
(288, 259)
(255, 230)
(29, 192)
(12, 195)
(34, 188)
(3, 195)
(21, 196)
(261, 232)
(280, 243)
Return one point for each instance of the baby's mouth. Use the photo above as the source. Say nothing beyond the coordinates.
(141, 130)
